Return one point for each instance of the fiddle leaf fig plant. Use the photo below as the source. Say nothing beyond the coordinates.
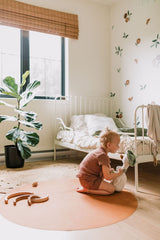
(21, 138)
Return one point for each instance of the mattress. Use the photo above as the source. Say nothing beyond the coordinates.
(83, 140)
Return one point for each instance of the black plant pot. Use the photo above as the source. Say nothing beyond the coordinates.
(13, 157)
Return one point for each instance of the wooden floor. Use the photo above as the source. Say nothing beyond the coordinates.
(143, 224)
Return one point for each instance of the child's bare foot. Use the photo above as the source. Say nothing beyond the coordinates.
(82, 190)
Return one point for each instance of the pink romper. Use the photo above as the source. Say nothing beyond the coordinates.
(90, 169)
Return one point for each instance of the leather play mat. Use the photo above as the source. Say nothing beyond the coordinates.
(67, 209)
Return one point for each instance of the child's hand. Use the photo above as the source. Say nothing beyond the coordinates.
(120, 171)
(112, 170)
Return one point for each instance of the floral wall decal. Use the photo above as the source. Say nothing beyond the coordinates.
(126, 83)
(112, 94)
(127, 16)
(138, 41)
(148, 20)
(130, 99)
(119, 114)
(143, 87)
(136, 60)
(125, 35)
(156, 41)
(135, 74)
(118, 51)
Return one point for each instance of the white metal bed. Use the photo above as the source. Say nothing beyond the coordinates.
(65, 107)
(143, 158)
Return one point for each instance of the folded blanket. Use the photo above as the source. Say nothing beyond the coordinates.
(131, 130)
(153, 124)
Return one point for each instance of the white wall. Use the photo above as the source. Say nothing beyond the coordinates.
(140, 64)
(88, 61)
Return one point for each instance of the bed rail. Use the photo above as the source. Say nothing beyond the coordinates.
(140, 112)
(141, 108)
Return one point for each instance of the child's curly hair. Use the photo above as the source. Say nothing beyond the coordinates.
(107, 136)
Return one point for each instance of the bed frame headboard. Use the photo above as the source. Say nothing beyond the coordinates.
(66, 106)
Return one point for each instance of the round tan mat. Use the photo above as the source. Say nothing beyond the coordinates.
(66, 209)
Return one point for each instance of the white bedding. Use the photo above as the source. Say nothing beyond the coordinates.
(91, 123)
(82, 140)
(84, 127)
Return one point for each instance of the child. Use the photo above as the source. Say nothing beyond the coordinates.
(95, 172)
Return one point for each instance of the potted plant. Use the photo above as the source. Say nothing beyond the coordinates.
(16, 154)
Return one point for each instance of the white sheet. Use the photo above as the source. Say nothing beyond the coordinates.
(84, 126)
(83, 140)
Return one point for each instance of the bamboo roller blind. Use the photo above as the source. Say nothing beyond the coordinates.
(33, 18)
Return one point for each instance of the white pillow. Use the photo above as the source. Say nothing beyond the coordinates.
(99, 123)
(77, 122)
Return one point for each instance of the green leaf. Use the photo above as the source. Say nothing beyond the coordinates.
(26, 99)
(28, 116)
(29, 93)
(24, 150)
(10, 83)
(7, 118)
(2, 90)
(24, 77)
(6, 104)
(30, 138)
(13, 134)
(32, 86)
(36, 125)
(12, 94)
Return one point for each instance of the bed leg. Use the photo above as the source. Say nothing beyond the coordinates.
(54, 152)
(136, 176)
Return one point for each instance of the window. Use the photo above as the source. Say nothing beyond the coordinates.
(9, 52)
(42, 54)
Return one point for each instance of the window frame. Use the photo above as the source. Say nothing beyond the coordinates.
(25, 62)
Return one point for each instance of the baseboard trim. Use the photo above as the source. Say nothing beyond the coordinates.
(49, 155)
